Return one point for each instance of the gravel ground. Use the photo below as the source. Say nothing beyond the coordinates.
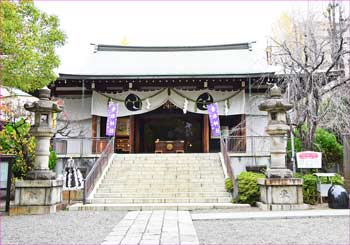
(277, 231)
(60, 228)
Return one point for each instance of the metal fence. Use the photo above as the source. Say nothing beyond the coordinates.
(248, 144)
(80, 146)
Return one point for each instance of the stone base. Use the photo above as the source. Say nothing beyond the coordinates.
(37, 196)
(279, 173)
(25, 210)
(281, 207)
(281, 194)
(72, 196)
(41, 175)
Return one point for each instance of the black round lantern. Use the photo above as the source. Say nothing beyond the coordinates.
(204, 100)
(133, 102)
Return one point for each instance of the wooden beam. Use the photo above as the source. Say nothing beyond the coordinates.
(205, 133)
(132, 134)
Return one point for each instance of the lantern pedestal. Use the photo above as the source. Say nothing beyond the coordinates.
(277, 194)
(37, 197)
(41, 175)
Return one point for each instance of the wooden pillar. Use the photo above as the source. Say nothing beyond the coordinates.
(205, 133)
(137, 134)
(94, 132)
(132, 134)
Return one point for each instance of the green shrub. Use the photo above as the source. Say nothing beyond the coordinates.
(15, 139)
(228, 185)
(52, 159)
(309, 188)
(332, 151)
(338, 180)
(248, 189)
(310, 185)
(325, 142)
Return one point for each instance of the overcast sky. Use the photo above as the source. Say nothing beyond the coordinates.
(165, 23)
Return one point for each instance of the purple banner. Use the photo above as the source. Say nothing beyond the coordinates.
(213, 112)
(111, 119)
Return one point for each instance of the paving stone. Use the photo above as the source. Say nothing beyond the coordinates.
(115, 239)
(154, 227)
(149, 242)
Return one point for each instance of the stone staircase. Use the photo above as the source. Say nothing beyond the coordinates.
(152, 181)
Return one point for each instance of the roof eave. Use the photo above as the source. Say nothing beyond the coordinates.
(63, 76)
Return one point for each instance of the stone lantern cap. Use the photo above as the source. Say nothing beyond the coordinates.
(44, 104)
(275, 101)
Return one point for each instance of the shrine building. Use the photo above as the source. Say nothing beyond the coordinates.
(162, 95)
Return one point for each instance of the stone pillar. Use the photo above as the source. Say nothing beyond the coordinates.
(279, 191)
(40, 192)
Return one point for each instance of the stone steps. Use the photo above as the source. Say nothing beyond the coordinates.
(163, 179)
(116, 181)
(162, 185)
(172, 179)
(174, 189)
(160, 194)
(116, 200)
(167, 162)
(156, 206)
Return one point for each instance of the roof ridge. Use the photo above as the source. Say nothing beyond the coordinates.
(231, 46)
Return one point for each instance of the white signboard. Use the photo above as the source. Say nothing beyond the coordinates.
(309, 159)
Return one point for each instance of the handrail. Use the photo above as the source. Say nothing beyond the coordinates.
(97, 170)
(227, 159)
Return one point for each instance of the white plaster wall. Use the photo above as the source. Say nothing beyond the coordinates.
(77, 112)
(256, 121)
(80, 129)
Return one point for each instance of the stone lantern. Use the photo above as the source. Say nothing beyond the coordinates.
(42, 130)
(277, 129)
(279, 191)
(40, 192)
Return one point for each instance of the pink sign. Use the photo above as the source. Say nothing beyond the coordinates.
(309, 159)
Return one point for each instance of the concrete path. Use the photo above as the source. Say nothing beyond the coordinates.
(273, 214)
(154, 227)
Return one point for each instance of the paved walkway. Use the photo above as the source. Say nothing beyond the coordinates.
(273, 214)
(154, 227)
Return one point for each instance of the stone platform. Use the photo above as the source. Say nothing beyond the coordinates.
(281, 194)
(37, 197)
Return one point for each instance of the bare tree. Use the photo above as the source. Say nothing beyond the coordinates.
(311, 56)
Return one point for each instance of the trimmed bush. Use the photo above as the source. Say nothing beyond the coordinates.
(310, 186)
(228, 185)
(248, 189)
